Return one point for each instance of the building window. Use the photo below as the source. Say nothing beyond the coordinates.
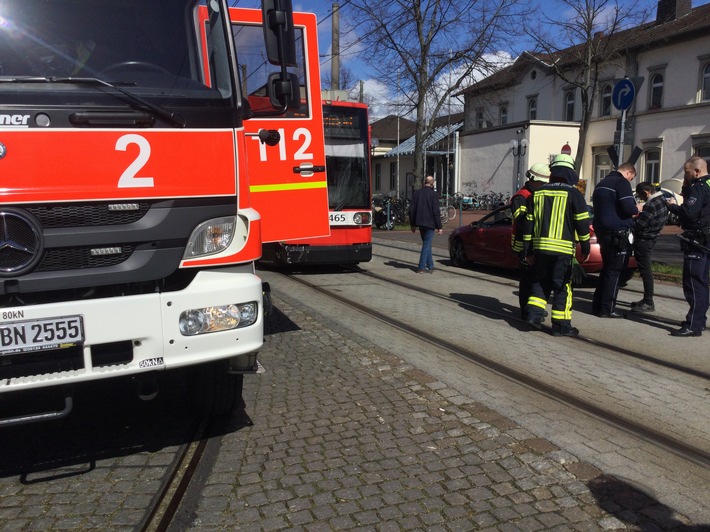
(503, 116)
(480, 123)
(705, 95)
(653, 166)
(605, 102)
(703, 150)
(602, 166)
(656, 99)
(378, 176)
(532, 109)
(569, 106)
(393, 176)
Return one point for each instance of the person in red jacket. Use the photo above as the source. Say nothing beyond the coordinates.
(424, 213)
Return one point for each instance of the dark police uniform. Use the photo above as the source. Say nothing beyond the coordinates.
(614, 208)
(694, 215)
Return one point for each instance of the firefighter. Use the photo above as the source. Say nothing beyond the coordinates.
(538, 175)
(557, 216)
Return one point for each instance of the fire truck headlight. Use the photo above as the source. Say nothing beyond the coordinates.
(214, 319)
(210, 237)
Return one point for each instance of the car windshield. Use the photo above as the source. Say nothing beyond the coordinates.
(150, 47)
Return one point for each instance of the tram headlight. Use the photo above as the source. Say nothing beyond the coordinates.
(210, 237)
(362, 218)
(215, 319)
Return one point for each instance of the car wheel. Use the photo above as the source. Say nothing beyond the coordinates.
(457, 253)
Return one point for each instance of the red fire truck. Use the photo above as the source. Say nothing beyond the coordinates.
(344, 128)
(128, 230)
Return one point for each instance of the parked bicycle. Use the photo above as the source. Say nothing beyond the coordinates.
(448, 212)
(383, 215)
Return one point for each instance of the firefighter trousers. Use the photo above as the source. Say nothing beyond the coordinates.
(553, 276)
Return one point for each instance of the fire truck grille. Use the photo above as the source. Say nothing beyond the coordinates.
(86, 215)
(79, 258)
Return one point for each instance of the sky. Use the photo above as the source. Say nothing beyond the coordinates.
(353, 55)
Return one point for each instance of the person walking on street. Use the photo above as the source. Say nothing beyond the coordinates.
(647, 226)
(538, 175)
(694, 215)
(614, 209)
(424, 213)
(557, 215)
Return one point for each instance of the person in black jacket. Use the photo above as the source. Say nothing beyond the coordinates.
(694, 217)
(424, 213)
(614, 209)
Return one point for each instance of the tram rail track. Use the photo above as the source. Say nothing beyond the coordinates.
(512, 284)
(171, 495)
(688, 452)
(581, 338)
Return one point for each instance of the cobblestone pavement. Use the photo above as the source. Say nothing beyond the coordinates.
(345, 435)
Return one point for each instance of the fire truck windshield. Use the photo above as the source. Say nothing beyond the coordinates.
(150, 47)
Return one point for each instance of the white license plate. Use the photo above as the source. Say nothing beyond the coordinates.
(40, 335)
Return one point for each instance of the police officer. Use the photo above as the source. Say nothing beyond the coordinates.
(614, 209)
(538, 175)
(694, 216)
(556, 212)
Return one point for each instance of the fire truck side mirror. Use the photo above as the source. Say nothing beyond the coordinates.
(270, 137)
(279, 35)
(284, 93)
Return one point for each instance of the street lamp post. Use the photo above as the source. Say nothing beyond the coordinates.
(519, 149)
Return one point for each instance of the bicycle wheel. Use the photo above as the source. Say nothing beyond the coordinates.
(451, 212)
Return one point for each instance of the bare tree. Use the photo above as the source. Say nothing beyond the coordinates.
(582, 39)
(414, 44)
(347, 78)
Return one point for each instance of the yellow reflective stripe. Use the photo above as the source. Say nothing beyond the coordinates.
(557, 246)
(537, 302)
(288, 186)
(581, 216)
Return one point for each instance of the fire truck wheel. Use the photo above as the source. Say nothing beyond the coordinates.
(219, 393)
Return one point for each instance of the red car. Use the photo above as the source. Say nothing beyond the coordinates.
(487, 241)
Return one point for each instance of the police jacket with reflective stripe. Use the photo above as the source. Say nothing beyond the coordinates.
(695, 211)
(557, 218)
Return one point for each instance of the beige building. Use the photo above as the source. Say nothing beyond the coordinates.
(525, 114)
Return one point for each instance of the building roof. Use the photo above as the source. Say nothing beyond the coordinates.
(671, 25)
(439, 133)
(386, 128)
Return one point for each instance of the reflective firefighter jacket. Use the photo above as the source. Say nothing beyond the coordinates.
(557, 218)
(518, 205)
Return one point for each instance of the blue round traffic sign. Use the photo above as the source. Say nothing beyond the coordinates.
(623, 94)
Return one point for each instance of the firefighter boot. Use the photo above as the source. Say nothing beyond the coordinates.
(564, 328)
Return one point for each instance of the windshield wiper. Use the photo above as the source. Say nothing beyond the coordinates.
(173, 118)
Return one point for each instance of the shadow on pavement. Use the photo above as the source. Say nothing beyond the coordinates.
(635, 507)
